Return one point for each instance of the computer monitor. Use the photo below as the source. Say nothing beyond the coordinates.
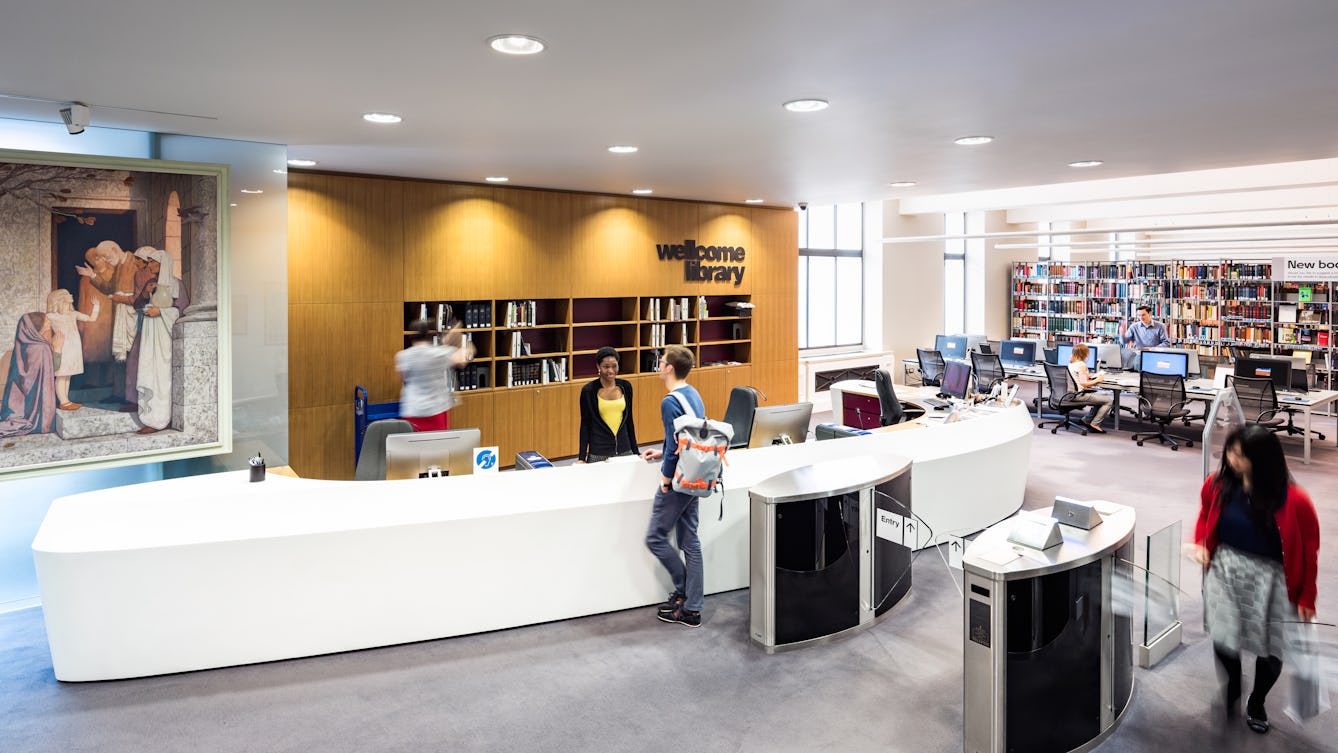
(956, 376)
(1018, 352)
(1192, 355)
(951, 346)
(780, 424)
(1300, 376)
(1163, 362)
(427, 453)
(1107, 355)
(1280, 371)
(1066, 354)
(973, 342)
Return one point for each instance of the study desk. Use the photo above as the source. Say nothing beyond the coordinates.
(1119, 382)
(213, 571)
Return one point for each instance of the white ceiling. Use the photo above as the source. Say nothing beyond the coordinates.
(1149, 87)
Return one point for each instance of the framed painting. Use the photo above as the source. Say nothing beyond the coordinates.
(113, 349)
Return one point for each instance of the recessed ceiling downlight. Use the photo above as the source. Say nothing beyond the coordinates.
(902, 183)
(516, 44)
(807, 105)
(753, 201)
(497, 179)
(1086, 163)
(253, 190)
(973, 140)
(384, 118)
(622, 149)
(642, 191)
(301, 163)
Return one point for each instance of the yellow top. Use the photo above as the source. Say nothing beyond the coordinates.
(612, 412)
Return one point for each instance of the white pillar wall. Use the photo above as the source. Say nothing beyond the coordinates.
(912, 283)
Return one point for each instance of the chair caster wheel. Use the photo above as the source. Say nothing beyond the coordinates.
(1054, 430)
(1189, 444)
(1175, 449)
(1140, 443)
(1084, 432)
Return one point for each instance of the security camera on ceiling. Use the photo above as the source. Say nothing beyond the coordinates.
(76, 117)
(801, 206)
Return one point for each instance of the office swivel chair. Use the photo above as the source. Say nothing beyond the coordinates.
(739, 414)
(1291, 428)
(989, 371)
(372, 460)
(891, 410)
(1061, 400)
(931, 366)
(1161, 400)
(1259, 400)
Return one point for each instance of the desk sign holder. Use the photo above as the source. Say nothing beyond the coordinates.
(1071, 512)
(485, 460)
(1036, 533)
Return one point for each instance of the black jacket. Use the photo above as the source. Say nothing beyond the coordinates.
(596, 439)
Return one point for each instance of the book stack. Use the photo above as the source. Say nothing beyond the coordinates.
(520, 314)
(477, 315)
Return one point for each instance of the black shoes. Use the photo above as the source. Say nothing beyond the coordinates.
(1256, 718)
(674, 601)
(682, 617)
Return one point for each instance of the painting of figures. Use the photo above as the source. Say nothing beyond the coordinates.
(110, 277)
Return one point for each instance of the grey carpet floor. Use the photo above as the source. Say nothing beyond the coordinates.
(626, 682)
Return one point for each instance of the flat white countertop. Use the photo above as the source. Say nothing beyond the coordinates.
(227, 507)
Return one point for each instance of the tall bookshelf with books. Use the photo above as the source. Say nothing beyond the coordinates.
(1209, 306)
(526, 342)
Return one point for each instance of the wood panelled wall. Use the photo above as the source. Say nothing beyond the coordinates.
(358, 247)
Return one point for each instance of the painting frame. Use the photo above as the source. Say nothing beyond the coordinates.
(143, 373)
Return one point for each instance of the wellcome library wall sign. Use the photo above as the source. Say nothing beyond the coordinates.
(705, 263)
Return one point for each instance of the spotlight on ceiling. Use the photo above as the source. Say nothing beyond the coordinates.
(807, 105)
(516, 44)
(973, 140)
(76, 117)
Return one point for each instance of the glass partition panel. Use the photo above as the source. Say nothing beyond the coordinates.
(1162, 600)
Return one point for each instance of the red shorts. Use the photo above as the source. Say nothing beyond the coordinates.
(439, 422)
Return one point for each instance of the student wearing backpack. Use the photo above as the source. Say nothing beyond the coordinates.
(674, 510)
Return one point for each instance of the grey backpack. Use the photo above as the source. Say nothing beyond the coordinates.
(701, 451)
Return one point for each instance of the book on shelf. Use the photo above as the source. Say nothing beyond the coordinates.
(702, 313)
(683, 334)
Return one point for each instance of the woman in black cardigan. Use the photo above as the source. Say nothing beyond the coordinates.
(606, 403)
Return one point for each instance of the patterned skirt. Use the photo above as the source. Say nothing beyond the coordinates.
(1245, 604)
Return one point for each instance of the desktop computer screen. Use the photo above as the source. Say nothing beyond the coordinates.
(1108, 355)
(956, 376)
(1192, 355)
(780, 424)
(1066, 354)
(1300, 373)
(1018, 352)
(1280, 371)
(951, 346)
(1163, 362)
(426, 453)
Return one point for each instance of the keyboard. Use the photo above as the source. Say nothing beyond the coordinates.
(936, 404)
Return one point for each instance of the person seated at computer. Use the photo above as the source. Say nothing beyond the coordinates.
(1087, 382)
(606, 413)
(1144, 333)
(428, 373)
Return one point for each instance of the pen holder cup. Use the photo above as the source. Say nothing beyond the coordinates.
(258, 472)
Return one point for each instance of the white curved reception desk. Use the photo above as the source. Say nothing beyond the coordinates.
(213, 571)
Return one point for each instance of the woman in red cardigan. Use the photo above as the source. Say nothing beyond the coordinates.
(1258, 538)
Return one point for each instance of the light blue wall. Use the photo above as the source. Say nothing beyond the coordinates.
(257, 316)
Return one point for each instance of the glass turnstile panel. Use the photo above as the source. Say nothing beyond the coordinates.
(817, 567)
(1161, 600)
(1054, 651)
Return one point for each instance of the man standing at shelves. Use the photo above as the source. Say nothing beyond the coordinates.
(674, 510)
(1144, 333)
(428, 372)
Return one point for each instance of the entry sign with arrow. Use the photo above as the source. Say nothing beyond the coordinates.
(955, 548)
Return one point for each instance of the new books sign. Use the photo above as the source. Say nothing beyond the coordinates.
(704, 263)
(1309, 268)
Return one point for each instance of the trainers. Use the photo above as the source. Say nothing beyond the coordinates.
(674, 601)
(682, 617)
